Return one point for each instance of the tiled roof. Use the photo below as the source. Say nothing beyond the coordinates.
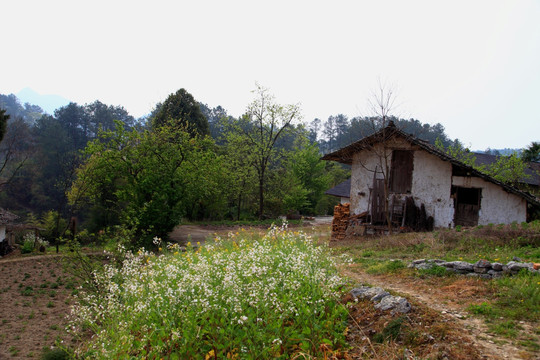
(6, 217)
(341, 190)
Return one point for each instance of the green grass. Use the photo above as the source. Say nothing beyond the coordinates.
(436, 270)
(512, 298)
(517, 299)
(242, 297)
(385, 267)
(493, 243)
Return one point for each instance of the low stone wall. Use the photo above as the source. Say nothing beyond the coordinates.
(482, 268)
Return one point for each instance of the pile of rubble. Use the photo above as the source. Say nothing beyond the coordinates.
(482, 268)
(384, 301)
(340, 222)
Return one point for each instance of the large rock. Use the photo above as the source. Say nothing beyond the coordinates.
(462, 265)
(497, 266)
(437, 261)
(425, 266)
(482, 266)
(517, 266)
(494, 273)
(394, 303)
(372, 293)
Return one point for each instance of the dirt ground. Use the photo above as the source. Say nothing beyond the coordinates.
(448, 299)
(34, 301)
(199, 233)
(35, 297)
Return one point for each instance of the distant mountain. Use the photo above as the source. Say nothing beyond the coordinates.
(48, 103)
(504, 152)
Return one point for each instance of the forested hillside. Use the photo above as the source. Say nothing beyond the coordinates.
(184, 161)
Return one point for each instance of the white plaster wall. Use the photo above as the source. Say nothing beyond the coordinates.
(345, 200)
(362, 171)
(363, 166)
(431, 186)
(497, 206)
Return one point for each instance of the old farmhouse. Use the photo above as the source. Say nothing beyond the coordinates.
(397, 166)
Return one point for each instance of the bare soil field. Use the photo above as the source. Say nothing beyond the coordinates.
(35, 295)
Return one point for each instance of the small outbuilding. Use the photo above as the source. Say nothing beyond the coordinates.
(6, 240)
(342, 191)
(390, 170)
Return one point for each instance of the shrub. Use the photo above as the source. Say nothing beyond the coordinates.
(31, 242)
(270, 297)
(27, 246)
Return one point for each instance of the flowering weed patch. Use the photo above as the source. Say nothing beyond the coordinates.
(241, 298)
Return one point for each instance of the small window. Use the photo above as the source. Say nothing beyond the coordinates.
(401, 172)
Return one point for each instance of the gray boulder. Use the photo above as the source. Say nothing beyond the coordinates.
(372, 293)
(462, 265)
(394, 303)
(517, 266)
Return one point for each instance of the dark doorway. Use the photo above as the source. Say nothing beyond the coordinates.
(401, 172)
(466, 205)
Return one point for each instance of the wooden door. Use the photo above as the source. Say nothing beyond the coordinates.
(377, 202)
(467, 203)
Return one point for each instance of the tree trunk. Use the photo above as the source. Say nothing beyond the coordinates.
(261, 197)
(238, 210)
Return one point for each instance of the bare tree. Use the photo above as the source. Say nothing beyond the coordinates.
(264, 123)
(382, 104)
(376, 146)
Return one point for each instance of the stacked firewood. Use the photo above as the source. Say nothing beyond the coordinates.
(340, 222)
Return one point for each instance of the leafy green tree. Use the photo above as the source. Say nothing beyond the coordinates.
(16, 148)
(264, 123)
(240, 161)
(152, 178)
(508, 169)
(532, 152)
(3, 123)
(29, 113)
(184, 111)
(217, 119)
(459, 152)
(309, 178)
(55, 163)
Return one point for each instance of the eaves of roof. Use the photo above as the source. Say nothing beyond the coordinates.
(345, 156)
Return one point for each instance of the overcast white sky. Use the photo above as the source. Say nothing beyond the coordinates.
(473, 66)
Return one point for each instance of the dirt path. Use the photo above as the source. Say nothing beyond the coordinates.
(11, 259)
(199, 233)
(493, 347)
